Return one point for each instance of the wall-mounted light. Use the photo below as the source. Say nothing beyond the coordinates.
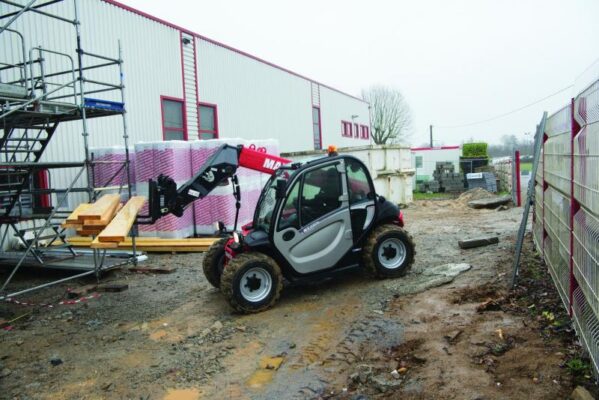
(186, 40)
(353, 117)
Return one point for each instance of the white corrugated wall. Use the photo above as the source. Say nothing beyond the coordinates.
(336, 107)
(255, 100)
(152, 67)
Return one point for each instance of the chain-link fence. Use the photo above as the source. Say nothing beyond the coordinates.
(566, 216)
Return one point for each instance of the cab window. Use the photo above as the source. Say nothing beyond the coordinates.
(321, 192)
(358, 183)
(290, 213)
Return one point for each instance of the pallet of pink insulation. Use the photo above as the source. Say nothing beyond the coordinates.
(219, 205)
(109, 169)
(180, 160)
(172, 158)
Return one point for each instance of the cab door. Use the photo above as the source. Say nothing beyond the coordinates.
(313, 229)
(361, 198)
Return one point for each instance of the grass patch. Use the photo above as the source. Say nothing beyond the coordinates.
(526, 166)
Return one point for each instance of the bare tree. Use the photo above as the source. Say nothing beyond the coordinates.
(391, 116)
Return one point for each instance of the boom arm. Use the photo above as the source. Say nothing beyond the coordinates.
(166, 198)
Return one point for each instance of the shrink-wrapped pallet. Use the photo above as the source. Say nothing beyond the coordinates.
(181, 160)
(109, 170)
(219, 205)
(172, 158)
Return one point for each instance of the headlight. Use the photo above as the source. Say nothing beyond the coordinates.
(236, 237)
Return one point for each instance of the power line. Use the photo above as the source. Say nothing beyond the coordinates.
(506, 113)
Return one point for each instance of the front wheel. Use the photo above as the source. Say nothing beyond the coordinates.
(214, 262)
(251, 282)
(389, 252)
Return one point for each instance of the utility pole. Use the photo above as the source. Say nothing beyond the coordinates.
(431, 128)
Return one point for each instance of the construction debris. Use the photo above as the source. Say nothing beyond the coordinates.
(153, 270)
(103, 287)
(493, 202)
(472, 243)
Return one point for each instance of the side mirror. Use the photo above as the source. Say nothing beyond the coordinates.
(281, 188)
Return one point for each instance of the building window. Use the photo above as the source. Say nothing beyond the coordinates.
(418, 161)
(346, 129)
(365, 132)
(316, 132)
(356, 131)
(208, 121)
(173, 119)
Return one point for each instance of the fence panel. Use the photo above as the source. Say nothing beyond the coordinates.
(566, 212)
(586, 256)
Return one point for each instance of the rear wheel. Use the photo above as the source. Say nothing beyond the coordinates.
(214, 262)
(251, 282)
(389, 252)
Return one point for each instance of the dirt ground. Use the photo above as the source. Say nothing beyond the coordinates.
(449, 329)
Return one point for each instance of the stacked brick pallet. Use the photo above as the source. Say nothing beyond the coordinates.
(445, 179)
(449, 180)
(483, 180)
(566, 219)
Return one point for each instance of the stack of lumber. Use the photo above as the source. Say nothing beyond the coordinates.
(150, 244)
(107, 218)
(110, 223)
(91, 219)
(118, 228)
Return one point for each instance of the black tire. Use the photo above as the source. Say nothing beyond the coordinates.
(395, 258)
(239, 293)
(214, 262)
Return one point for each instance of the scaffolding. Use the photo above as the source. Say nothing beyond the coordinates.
(35, 98)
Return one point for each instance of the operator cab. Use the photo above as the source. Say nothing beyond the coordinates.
(311, 216)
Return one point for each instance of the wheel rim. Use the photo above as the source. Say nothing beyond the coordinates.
(392, 253)
(255, 284)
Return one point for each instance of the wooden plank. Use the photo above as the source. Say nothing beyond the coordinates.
(101, 209)
(150, 241)
(81, 290)
(96, 244)
(102, 222)
(168, 249)
(88, 232)
(493, 202)
(67, 225)
(119, 227)
(73, 218)
(471, 243)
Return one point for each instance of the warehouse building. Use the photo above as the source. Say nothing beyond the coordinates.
(183, 86)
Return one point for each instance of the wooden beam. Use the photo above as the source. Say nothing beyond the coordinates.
(471, 243)
(118, 229)
(96, 244)
(101, 209)
(73, 218)
(102, 222)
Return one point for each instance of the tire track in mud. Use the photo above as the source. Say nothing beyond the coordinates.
(321, 362)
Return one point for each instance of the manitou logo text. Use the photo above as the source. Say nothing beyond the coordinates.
(271, 164)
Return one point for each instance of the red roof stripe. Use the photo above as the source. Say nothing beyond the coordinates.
(435, 148)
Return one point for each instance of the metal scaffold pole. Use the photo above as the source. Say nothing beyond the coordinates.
(45, 86)
(126, 140)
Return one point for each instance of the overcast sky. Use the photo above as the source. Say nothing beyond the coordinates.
(456, 62)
